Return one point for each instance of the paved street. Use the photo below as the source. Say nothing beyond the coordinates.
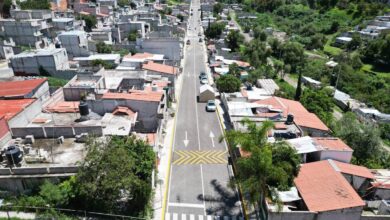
(199, 176)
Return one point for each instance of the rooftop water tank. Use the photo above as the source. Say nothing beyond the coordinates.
(14, 155)
(83, 108)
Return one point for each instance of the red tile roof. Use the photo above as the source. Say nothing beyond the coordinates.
(64, 107)
(354, 170)
(331, 143)
(324, 189)
(123, 110)
(162, 68)
(140, 56)
(10, 108)
(19, 88)
(302, 117)
(139, 96)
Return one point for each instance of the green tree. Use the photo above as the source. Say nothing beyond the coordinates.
(234, 39)
(180, 17)
(260, 34)
(6, 8)
(116, 176)
(228, 83)
(215, 29)
(355, 42)
(103, 63)
(101, 47)
(256, 52)
(234, 70)
(363, 139)
(217, 8)
(90, 21)
(123, 3)
(34, 4)
(293, 54)
(319, 102)
(132, 36)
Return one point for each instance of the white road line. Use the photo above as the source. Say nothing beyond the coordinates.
(201, 177)
(209, 217)
(169, 187)
(175, 216)
(190, 205)
(192, 217)
(167, 216)
(200, 217)
(196, 107)
(183, 217)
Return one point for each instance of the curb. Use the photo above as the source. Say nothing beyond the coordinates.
(234, 168)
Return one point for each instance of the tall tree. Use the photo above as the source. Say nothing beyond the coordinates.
(298, 91)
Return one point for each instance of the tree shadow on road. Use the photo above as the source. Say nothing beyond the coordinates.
(223, 202)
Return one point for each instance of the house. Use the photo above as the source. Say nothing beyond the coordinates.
(206, 92)
(344, 101)
(149, 105)
(19, 112)
(27, 27)
(311, 82)
(321, 148)
(25, 89)
(135, 61)
(40, 62)
(342, 40)
(82, 86)
(112, 59)
(170, 72)
(306, 120)
(75, 43)
(324, 192)
(371, 115)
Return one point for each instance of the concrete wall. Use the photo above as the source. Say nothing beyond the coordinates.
(26, 116)
(343, 214)
(76, 45)
(42, 92)
(55, 132)
(19, 180)
(26, 33)
(291, 215)
(343, 156)
(170, 47)
(30, 64)
(147, 111)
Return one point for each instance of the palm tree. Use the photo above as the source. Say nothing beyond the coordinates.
(269, 165)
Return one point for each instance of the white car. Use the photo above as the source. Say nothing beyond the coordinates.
(204, 80)
(211, 107)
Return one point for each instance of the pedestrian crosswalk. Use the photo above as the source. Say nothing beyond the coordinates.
(180, 216)
(182, 157)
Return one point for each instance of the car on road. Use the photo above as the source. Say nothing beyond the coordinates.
(199, 34)
(204, 80)
(202, 74)
(188, 42)
(210, 106)
(200, 40)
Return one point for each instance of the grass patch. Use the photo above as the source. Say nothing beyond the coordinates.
(380, 71)
(328, 49)
(56, 82)
(333, 51)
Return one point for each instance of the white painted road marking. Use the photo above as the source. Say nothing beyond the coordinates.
(190, 205)
(186, 141)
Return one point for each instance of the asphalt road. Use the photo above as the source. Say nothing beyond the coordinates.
(198, 185)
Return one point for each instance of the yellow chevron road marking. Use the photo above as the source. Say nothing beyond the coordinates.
(185, 157)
